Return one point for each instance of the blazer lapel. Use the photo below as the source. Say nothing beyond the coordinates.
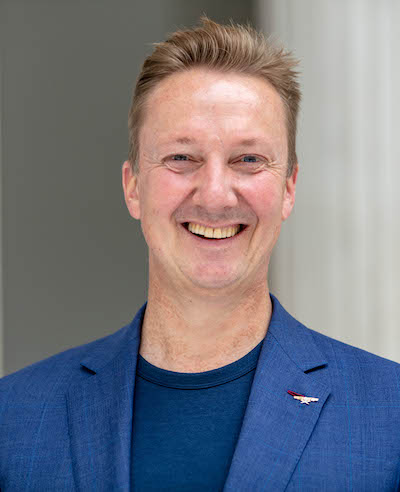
(100, 412)
(276, 427)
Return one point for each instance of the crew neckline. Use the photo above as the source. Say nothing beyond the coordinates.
(199, 380)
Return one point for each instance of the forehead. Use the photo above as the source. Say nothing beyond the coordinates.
(206, 102)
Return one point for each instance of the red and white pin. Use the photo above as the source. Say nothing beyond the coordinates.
(302, 398)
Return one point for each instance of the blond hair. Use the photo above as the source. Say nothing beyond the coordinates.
(228, 48)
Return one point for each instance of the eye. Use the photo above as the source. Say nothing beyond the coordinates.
(179, 157)
(180, 163)
(250, 163)
(250, 158)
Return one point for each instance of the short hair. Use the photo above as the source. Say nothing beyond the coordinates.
(228, 48)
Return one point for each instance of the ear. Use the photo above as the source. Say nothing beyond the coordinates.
(131, 190)
(289, 193)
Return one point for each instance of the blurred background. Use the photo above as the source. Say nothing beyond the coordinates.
(73, 264)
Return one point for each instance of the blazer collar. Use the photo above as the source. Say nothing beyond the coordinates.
(100, 411)
(108, 348)
(294, 339)
(276, 427)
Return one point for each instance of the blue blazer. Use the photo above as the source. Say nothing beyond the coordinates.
(65, 423)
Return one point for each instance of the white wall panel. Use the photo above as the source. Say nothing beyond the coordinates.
(337, 264)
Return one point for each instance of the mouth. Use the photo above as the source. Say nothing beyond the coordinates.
(214, 233)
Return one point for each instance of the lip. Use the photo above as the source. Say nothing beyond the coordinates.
(213, 226)
(210, 242)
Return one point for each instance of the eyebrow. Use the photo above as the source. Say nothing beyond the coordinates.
(246, 142)
(184, 140)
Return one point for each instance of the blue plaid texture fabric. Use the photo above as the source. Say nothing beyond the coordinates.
(65, 423)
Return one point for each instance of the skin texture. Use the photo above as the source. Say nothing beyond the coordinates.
(212, 150)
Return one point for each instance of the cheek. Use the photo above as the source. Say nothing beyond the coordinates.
(266, 201)
(162, 197)
(170, 190)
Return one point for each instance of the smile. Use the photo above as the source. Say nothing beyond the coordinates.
(211, 232)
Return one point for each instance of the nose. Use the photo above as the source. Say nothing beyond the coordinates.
(215, 186)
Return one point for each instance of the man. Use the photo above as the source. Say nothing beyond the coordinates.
(213, 386)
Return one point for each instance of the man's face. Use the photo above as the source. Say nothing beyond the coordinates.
(213, 159)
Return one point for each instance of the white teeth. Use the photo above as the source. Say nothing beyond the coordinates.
(217, 233)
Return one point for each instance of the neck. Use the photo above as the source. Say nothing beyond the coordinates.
(186, 333)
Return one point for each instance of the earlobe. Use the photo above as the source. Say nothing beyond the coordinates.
(290, 193)
(130, 186)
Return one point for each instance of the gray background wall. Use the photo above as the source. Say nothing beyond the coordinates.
(74, 262)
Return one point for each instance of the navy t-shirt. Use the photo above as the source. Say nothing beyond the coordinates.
(186, 425)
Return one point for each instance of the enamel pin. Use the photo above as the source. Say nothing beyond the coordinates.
(302, 398)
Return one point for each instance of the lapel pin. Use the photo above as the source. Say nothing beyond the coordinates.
(302, 398)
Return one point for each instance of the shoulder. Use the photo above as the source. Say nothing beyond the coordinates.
(342, 353)
(355, 375)
(49, 378)
(304, 344)
(358, 374)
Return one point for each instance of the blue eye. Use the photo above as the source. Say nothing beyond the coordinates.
(250, 163)
(250, 158)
